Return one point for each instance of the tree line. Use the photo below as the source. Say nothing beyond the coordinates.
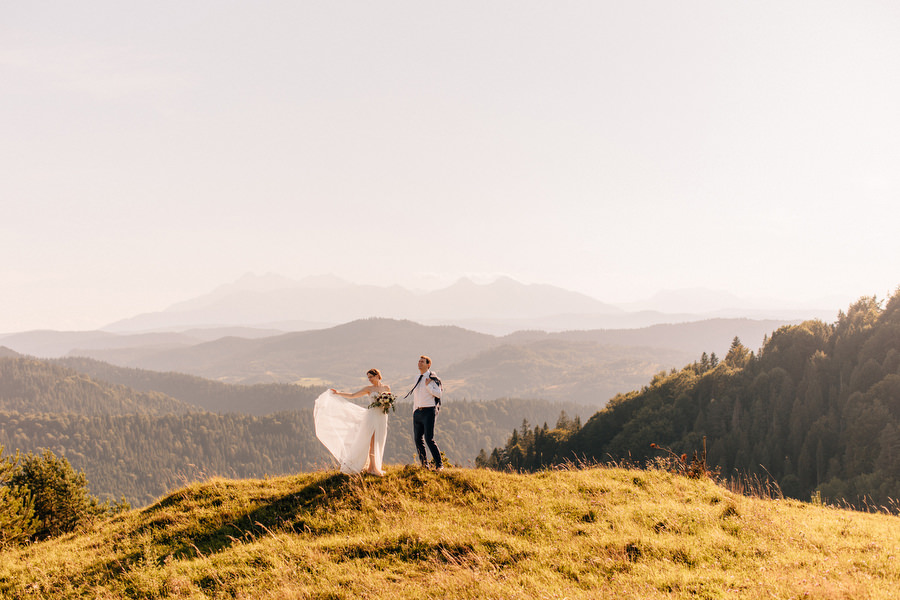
(817, 408)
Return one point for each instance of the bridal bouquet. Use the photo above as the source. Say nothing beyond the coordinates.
(384, 401)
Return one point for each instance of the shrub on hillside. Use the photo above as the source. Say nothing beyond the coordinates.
(59, 495)
(17, 522)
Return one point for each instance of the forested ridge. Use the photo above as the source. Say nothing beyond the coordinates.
(29, 385)
(214, 396)
(142, 444)
(817, 408)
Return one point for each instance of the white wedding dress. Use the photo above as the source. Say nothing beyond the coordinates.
(347, 430)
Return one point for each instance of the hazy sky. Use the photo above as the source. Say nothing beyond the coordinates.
(151, 151)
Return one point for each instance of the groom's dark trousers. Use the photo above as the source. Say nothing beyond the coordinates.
(423, 433)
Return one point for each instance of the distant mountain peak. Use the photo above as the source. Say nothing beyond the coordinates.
(254, 282)
(464, 283)
(503, 281)
(328, 281)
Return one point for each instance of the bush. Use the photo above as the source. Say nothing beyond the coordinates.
(60, 496)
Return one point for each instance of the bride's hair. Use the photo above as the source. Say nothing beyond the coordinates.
(374, 372)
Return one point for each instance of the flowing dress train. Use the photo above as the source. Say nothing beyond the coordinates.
(347, 430)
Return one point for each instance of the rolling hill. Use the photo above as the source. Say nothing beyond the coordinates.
(338, 355)
(557, 370)
(587, 367)
(603, 533)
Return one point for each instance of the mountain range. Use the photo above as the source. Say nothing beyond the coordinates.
(273, 301)
(500, 307)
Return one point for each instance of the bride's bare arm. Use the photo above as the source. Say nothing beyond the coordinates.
(349, 396)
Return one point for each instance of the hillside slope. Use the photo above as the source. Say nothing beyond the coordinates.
(597, 533)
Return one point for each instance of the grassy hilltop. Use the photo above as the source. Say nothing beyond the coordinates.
(464, 533)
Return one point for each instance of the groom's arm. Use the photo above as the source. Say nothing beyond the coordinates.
(434, 388)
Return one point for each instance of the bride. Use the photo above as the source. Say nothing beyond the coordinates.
(353, 434)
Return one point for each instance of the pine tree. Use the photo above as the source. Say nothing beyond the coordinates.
(60, 496)
(738, 355)
(17, 522)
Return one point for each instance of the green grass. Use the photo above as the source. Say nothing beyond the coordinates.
(463, 533)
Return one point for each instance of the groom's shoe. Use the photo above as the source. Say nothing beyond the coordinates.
(440, 468)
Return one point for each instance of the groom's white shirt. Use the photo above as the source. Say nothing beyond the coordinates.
(425, 392)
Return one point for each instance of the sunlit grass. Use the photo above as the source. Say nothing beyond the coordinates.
(463, 533)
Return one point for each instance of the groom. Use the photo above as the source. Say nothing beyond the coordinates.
(426, 403)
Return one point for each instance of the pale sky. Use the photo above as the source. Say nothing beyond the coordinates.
(152, 151)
